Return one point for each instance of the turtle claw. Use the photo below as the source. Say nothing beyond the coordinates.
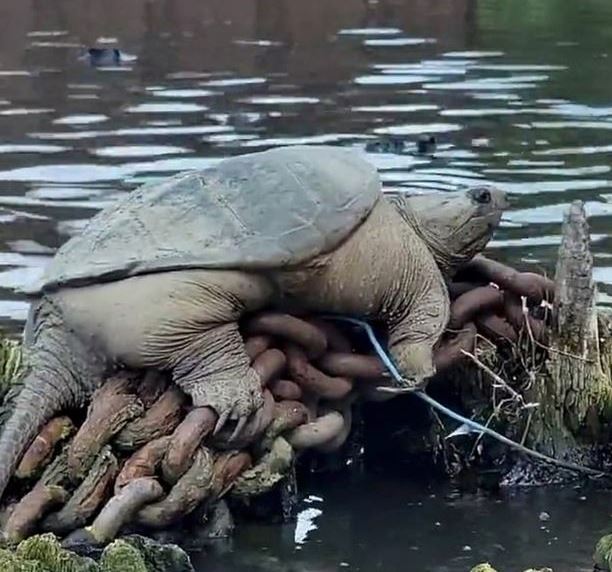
(241, 423)
(231, 397)
(221, 421)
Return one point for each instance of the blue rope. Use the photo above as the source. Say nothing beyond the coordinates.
(478, 427)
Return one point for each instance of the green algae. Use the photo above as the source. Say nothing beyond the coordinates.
(159, 557)
(120, 556)
(603, 554)
(11, 370)
(43, 553)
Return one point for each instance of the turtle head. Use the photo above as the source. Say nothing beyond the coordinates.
(455, 226)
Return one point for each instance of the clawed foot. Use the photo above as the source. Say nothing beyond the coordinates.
(415, 364)
(233, 400)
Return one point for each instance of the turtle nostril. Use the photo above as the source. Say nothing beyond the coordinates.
(482, 196)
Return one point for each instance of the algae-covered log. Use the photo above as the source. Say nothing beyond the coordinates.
(266, 472)
(121, 556)
(159, 557)
(44, 553)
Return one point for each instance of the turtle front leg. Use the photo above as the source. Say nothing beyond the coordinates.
(189, 327)
(412, 338)
(214, 370)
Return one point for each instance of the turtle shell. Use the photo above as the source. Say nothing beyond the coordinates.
(260, 210)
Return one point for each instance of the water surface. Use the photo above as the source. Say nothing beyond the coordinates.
(517, 93)
(389, 523)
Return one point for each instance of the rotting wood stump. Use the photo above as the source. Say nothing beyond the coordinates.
(575, 393)
(573, 390)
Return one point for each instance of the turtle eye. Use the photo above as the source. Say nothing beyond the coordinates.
(482, 196)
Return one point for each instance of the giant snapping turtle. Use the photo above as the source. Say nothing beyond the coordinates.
(161, 278)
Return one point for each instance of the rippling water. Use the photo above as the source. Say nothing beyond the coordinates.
(517, 93)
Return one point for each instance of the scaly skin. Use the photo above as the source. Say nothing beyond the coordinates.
(455, 226)
(385, 272)
(60, 373)
(187, 322)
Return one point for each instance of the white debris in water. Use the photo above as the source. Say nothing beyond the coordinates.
(305, 524)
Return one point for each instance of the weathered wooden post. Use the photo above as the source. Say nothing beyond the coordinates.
(574, 391)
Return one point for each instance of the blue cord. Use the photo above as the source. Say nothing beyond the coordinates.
(388, 361)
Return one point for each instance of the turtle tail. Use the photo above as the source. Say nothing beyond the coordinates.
(55, 378)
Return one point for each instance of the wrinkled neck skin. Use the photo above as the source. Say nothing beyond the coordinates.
(438, 239)
(366, 275)
(382, 271)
